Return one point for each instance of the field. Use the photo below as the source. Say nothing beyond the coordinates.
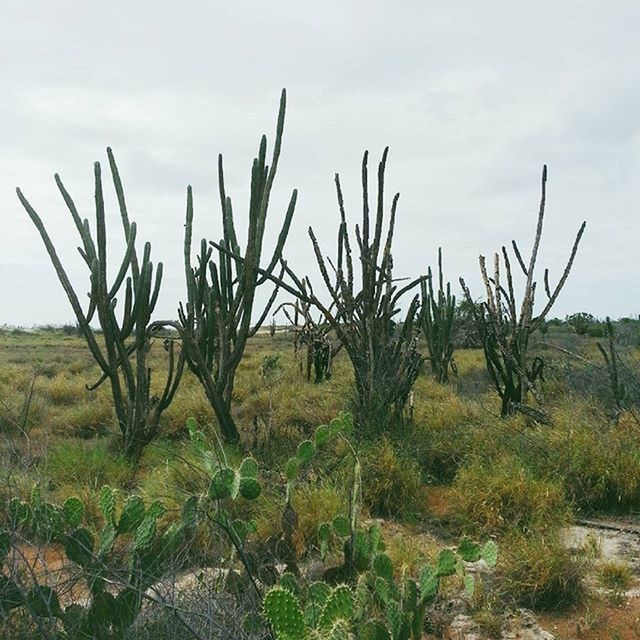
(454, 470)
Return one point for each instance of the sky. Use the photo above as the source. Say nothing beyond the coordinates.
(472, 99)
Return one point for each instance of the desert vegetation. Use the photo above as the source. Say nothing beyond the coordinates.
(451, 459)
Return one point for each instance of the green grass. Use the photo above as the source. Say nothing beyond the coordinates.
(509, 478)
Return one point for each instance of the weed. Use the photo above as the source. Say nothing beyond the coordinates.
(506, 497)
(538, 572)
(390, 481)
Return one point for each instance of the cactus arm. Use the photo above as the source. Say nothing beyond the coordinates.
(66, 284)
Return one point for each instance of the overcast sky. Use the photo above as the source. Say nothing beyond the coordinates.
(472, 98)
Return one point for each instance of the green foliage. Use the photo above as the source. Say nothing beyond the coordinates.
(85, 464)
(538, 572)
(581, 322)
(506, 496)
(391, 480)
(374, 604)
(151, 551)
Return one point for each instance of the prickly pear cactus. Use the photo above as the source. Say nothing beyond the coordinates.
(282, 610)
(104, 614)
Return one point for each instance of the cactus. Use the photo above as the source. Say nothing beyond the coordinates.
(216, 321)
(505, 330)
(314, 334)
(103, 614)
(363, 315)
(282, 610)
(610, 357)
(124, 361)
(436, 320)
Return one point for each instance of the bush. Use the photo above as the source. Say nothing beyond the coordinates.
(599, 462)
(540, 573)
(83, 420)
(79, 464)
(504, 496)
(391, 483)
(65, 391)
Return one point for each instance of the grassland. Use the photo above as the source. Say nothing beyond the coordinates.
(455, 469)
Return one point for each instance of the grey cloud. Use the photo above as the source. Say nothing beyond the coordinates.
(472, 100)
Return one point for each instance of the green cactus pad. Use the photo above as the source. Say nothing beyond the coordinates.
(339, 606)
(339, 631)
(190, 513)
(324, 532)
(341, 526)
(107, 503)
(107, 538)
(156, 510)
(291, 468)
(429, 584)
(375, 538)
(469, 551)
(282, 610)
(489, 553)
(250, 488)
(289, 582)
(73, 511)
(249, 468)
(132, 514)
(395, 619)
(383, 567)
(317, 595)
(144, 534)
(305, 451)
(375, 630)
(322, 435)
(469, 584)
(409, 595)
(222, 484)
(446, 565)
(78, 546)
(382, 590)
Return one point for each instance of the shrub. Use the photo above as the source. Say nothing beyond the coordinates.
(540, 573)
(504, 496)
(80, 464)
(598, 461)
(616, 576)
(82, 420)
(64, 391)
(391, 484)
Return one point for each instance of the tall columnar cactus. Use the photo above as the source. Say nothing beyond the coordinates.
(315, 336)
(505, 329)
(363, 315)
(218, 317)
(437, 322)
(611, 360)
(124, 357)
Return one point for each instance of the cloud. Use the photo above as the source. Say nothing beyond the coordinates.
(472, 101)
